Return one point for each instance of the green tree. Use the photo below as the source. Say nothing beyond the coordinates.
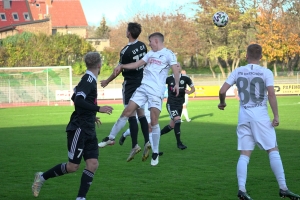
(103, 30)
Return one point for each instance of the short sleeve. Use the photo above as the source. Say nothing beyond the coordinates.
(85, 86)
(172, 60)
(146, 57)
(231, 80)
(269, 78)
(190, 82)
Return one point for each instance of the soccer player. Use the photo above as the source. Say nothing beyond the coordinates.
(81, 134)
(132, 52)
(255, 87)
(186, 100)
(175, 103)
(159, 60)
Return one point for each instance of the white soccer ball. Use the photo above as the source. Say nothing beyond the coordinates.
(220, 19)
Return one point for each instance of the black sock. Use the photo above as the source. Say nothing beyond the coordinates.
(166, 129)
(133, 126)
(86, 181)
(145, 128)
(177, 130)
(58, 170)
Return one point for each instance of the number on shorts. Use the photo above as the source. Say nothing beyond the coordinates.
(257, 96)
(80, 152)
(174, 113)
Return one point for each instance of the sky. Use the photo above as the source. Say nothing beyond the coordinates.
(116, 10)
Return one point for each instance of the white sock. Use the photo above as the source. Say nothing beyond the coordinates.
(241, 170)
(155, 138)
(150, 139)
(120, 123)
(185, 113)
(277, 168)
(126, 133)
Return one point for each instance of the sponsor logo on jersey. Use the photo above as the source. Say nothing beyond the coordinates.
(182, 82)
(153, 61)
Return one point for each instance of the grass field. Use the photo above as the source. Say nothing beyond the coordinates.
(33, 139)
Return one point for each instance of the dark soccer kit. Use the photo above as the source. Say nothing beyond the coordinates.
(174, 104)
(132, 77)
(81, 133)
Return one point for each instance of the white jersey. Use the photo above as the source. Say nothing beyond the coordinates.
(156, 70)
(252, 82)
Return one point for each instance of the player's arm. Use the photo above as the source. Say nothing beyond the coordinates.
(80, 102)
(192, 90)
(104, 83)
(134, 65)
(222, 95)
(176, 73)
(273, 104)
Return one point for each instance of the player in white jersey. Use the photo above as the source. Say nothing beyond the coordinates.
(159, 60)
(255, 87)
(184, 108)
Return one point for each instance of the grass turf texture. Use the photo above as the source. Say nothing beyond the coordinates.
(33, 139)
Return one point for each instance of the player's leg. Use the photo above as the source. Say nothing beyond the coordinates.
(120, 123)
(145, 130)
(138, 99)
(90, 155)
(155, 104)
(171, 124)
(266, 138)
(246, 144)
(75, 143)
(123, 136)
(185, 113)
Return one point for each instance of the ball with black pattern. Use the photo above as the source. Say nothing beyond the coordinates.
(220, 19)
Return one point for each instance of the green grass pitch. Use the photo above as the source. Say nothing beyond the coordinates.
(34, 139)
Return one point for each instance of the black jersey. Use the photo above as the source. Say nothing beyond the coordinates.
(132, 53)
(183, 82)
(73, 123)
(87, 88)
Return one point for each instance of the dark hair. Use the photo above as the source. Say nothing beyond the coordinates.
(92, 59)
(134, 29)
(157, 34)
(254, 51)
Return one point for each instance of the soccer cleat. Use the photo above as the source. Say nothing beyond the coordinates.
(133, 151)
(188, 120)
(106, 141)
(181, 146)
(147, 148)
(80, 198)
(37, 184)
(154, 160)
(122, 139)
(289, 194)
(243, 196)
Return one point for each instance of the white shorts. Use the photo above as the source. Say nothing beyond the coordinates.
(261, 133)
(141, 97)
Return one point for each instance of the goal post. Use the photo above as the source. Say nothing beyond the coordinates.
(35, 86)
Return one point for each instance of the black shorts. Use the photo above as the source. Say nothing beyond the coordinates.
(81, 145)
(128, 89)
(174, 110)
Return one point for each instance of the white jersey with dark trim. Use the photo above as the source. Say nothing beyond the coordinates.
(156, 70)
(252, 82)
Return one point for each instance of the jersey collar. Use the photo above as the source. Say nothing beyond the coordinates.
(131, 43)
(179, 75)
(91, 74)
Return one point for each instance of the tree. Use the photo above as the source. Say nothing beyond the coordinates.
(103, 30)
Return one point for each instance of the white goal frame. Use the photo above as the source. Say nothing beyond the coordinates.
(9, 96)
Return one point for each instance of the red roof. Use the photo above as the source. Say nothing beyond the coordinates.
(18, 9)
(63, 12)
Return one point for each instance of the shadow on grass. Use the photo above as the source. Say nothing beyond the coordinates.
(206, 166)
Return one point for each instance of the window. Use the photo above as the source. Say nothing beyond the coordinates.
(54, 31)
(2, 16)
(15, 16)
(97, 43)
(37, 5)
(26, 16)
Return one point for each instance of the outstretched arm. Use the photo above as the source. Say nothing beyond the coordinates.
(104, 83)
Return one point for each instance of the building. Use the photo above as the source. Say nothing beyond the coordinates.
(99, 44)
(63, 16)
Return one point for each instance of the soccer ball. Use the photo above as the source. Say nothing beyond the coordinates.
(220, 19)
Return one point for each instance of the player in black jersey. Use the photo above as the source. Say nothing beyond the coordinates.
(174, 105)
(132, 52)
(81, 133)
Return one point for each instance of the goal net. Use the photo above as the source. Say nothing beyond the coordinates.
(35, 86)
